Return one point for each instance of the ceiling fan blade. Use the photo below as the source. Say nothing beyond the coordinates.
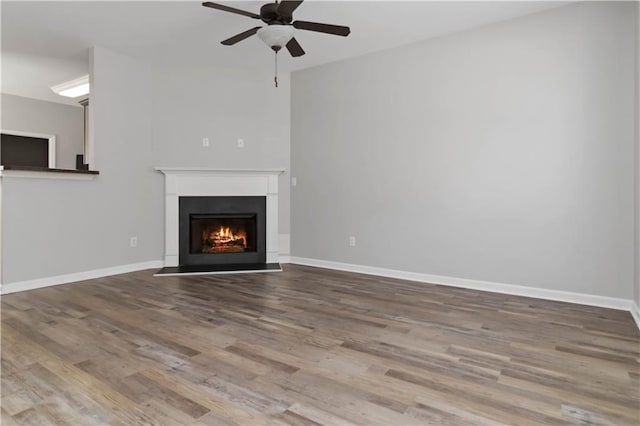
(322, 28)
(239, 37)
(287, 7)
(294, 48)
(230, 9)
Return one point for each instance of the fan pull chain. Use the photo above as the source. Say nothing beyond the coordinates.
(275, 78)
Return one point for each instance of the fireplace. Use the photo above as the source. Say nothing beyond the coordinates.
(220, 220)
(222, 230)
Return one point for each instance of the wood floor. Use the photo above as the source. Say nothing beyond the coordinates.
(310, 346)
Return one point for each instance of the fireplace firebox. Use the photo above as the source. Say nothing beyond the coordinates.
(211, 234)
(222, 230)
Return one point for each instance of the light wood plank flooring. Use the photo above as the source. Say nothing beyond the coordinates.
(310, 346)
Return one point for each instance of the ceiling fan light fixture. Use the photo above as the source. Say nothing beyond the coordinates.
(276, 36)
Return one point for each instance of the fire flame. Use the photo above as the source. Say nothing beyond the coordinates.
(225, 235)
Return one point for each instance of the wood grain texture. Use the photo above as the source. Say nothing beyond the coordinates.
(310, 346)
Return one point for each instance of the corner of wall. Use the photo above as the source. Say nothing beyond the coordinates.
(636, 290)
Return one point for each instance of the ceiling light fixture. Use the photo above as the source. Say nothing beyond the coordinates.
(73, 88)
(276, 36)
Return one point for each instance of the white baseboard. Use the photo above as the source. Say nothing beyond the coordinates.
(516, 290)
(88, 275)
(635, 313)
(284, 258)
(540, 293)
(78, 276)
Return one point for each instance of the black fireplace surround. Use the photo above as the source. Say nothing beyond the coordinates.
(243, 216)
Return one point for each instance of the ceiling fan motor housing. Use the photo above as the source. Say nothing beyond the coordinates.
(269, 14)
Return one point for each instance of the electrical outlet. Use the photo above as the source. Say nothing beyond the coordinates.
(294, 181)
(205, 142)
(240, 143)
(134, 242)
(352, 241)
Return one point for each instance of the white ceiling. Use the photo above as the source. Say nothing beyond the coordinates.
(32, 76)
(184, 32)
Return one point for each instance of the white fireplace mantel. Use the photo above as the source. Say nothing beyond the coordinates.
(203, 182)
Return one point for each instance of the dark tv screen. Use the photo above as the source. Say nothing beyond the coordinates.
(24, 151)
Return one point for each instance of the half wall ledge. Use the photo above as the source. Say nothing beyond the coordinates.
(46, 173)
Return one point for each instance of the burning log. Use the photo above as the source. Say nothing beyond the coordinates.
(223, 240)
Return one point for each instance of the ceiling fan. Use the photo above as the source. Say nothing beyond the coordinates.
(280, 28)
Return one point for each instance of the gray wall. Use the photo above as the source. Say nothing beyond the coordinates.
(142, 117)
(55, 227)
(223, 105)
(505, 154)
(33, 115)
(637, 180)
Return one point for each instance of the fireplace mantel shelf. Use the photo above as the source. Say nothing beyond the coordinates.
(205, 170)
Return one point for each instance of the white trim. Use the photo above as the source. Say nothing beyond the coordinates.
(89, 154)
(78, 276)
(285, 259)
(46, 174)
(635, 313)
(182, 274)
(516, 290)
(51, 138)
(214, 171)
